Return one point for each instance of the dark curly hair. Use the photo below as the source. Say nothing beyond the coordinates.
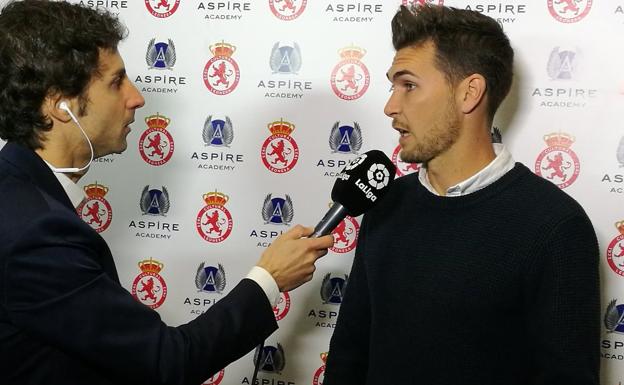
(47, 47)
(466, 42)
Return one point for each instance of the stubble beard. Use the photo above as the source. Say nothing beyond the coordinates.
(440, 138)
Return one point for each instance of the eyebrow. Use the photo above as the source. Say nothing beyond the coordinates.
(399, 74)
(120, 73)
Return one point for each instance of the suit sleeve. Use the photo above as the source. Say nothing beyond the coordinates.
(563, 302)
(56, 290)
(347, 361)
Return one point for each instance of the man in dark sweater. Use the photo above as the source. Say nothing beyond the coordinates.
(474, 271)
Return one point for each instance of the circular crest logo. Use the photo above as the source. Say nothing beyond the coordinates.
(279, 151)
(148, 287)
(319, 375)
(569, 11)
(283, 306)
(162, 8)
(403, 168)
(411, 3)
(287, 9)
(350, 78)
(95, 210)
(215, 379)
(156, 143)
(214, 221)
(221, 73)
(615, 251)
(345, 235)
(558, 163)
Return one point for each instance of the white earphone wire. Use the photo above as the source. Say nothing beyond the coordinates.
(63, 105)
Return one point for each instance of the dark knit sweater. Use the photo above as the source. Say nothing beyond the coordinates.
(496, 287)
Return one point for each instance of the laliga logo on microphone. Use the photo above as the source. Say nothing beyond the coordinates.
(378, 178)
(95, 210)
(350, 78)
(156, 143)
(149, 287)
(287, 9)
(162, 8)
(214, 221)
(615, 250)
(558, 163)
(569, 11)
(221, 74)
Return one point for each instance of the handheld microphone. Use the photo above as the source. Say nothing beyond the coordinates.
(63, 106)
(358, 187)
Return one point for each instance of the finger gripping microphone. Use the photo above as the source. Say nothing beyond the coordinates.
(358, 187)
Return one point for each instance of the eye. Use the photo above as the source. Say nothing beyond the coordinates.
(409, 86)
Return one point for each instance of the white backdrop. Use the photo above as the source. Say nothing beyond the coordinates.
(217, 75)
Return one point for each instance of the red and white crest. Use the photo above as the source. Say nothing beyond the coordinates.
(558, 163)
(410, 3)
(95, 210)
(149, 287)
(221, 74)
(214, 221)
(162, 8)
(615, 251)
(156, 143)
(403, 168)
(283, 306)
(319, 375)
(279, 151)
(215, 379)
(345, 235)
(287, 9)
(350, 78)
(569, 11)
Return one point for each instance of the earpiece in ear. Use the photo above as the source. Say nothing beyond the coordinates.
(63, 106)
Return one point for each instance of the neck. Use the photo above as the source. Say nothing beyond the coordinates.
(64, 156)
(472, 152)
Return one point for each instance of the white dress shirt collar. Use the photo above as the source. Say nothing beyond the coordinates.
(75, 194)
(488, 175)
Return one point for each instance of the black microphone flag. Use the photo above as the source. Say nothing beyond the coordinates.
(358, 187)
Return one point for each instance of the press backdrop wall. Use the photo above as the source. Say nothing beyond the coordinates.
(253, 106)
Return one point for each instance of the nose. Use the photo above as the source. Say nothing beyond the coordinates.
(136, 99)
(392, 106)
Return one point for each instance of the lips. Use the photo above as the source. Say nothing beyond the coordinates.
(402, 132)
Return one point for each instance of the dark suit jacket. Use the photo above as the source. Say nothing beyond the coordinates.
(65, 319)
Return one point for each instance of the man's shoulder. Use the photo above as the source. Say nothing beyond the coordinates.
(536, 194)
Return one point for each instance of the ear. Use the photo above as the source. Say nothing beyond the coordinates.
(472, 93)
(51, 108)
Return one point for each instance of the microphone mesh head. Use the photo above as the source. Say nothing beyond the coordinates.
(363, 182)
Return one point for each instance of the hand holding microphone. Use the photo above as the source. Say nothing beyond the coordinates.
(360, 185)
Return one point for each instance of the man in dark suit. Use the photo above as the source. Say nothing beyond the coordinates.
(64, 318)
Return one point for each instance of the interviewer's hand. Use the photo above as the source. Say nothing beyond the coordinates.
(290, 258)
